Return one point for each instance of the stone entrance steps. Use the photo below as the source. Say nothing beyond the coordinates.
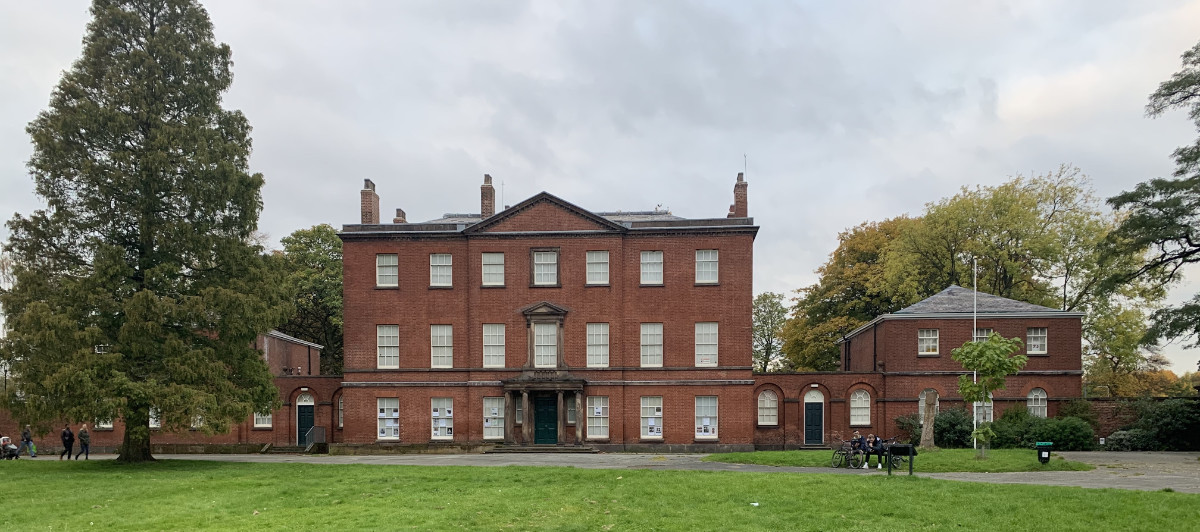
(284, 449)
(554, 449)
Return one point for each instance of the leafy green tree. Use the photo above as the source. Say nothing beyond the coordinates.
(1162, 215)
(139, 286)
(769, 317)
(991, 361)
(313, 259)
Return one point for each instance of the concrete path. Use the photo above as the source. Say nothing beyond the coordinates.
(1133, 471)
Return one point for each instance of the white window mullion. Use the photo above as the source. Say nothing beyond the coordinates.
(441, 346)
(706, 344)
(706, 417)
(652, 417)
(387, 346)
(493, 345)
(493, 418)
(597, 417)
(652, 345)
(597, 345)
(442, 415)
(388, 418)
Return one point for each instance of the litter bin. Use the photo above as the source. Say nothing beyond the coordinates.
(1043, 451)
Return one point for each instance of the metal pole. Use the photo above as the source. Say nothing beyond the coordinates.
(974, 332)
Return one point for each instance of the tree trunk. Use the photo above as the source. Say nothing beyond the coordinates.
(927, 442)
(136, 446)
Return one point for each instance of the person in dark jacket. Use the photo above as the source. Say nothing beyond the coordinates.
(85, 440)
(68, 441)
(874, 447)
(27, 442)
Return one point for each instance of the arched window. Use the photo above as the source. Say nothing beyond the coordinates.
(768, 408)
(983, 410)
(929, 392)
(1036, 402)
(860, 408)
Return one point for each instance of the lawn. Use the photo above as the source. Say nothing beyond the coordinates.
(191, 495)
(939, 461)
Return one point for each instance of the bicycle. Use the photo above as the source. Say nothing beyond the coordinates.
(844, 454)
(897, 461)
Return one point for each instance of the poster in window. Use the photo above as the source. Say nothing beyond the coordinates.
(599, 411)
(658, 410)
(436, 412)
(495, 411)
(650, 422)
(448, 413)
(449, 431)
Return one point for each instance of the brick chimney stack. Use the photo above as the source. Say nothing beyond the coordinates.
(399, 219)
(370, 203)
(739, 208)
(487, 201)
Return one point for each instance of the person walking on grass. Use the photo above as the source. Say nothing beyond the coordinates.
(27, 442)
(68, 441)
(85, 440)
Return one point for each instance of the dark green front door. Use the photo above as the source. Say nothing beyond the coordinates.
(814, 423)
(545, 419)
(304, 421)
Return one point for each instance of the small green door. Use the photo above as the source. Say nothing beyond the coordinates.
(304, 421)
(545, 419)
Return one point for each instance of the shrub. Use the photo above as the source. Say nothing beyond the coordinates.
(1130, 440)
(1014, 429)
(1174, 423)
(910, 428)
(1068, 434)
(1081, 409)
(952, 428)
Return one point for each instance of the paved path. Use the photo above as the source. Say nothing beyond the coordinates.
(1134, 471)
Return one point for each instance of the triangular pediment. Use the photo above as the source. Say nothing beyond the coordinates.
(544, 308)
(544, 212)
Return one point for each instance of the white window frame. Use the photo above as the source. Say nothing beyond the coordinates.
(1037, 403)
(652, 268)
(706, 411)
(707, 264)
(441, 269)
(706, 344)
(341, 412)
(597, 267)
(493, 418)
(597, 417)
(860, 408)
(103, 424)
(262, 421)
(387, 418)
(1041, 333)
(545, 268)
(652, 345)
(492, 273)
(982, 334)
(597, 345)
(545, 345)
(927, 342)
(442, 416)
(652, 416)
(768, 408)
(441, 346)
(493, 345)
(387, 346)
(569, 404)
(984, 410)
(387, 269)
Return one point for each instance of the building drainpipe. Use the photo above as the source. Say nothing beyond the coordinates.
(309, 348)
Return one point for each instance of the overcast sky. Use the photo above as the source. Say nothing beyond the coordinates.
(845, 111)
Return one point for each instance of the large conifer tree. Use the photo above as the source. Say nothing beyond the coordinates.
(139, 287)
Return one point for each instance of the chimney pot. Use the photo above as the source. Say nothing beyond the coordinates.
(400, 217)
(369, 203)
(487, 197)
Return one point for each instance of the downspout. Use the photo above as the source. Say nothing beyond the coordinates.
(309, 348)
(874, 347)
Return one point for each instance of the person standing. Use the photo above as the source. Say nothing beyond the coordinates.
(85, 440)
(27, 442)
(68, 441)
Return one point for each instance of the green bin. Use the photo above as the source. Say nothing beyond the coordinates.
(1043, 451)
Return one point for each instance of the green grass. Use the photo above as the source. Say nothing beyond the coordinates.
(187, 495)
(940, 461)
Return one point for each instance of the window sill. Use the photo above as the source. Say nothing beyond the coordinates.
(655, 285)
(1038, 354)
(928, 355)
(387, 287)
(485, 286)
(441, 440)
(267, 429)
(441, 287)
(393, 440)
(649, 366)
(645, 439)
(555, 285)
(598, 440)
(597, 367)
(597, 285)
(766, 427)
(707, 284)
(709, 439)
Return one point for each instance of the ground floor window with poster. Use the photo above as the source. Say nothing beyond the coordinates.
(597, 417)
(652, 416)
(443, 418)
(493, 418)
(389, 418)
(706, 417)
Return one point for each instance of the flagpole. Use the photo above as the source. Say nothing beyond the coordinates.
(974, 333)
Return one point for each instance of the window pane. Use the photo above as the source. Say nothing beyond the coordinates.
(652, 267)
(493, 345)
(1037, 402)
(443, 418)
(388, 346)
(706, 266)
(652, 416)
(981, 335)
(927, 341)
(545, 267)
(386, 270)
(652, 345)
(262, 420)
(493, 269)
(440, 269)
(706, 417)
(570, 406)
(388, 418)
(597, 345)
(1036, 340)
(768, 408)
(441, 343)
(597, 267)
(545, 345)
(597, 417)
(706, 344)
(860, 408)
(493, 418)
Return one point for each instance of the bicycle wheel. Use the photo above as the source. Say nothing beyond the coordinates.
(839, 459)
(898, 461)
(856, 459)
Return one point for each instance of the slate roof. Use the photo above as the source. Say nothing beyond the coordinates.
(619, 216)
(957, 299)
